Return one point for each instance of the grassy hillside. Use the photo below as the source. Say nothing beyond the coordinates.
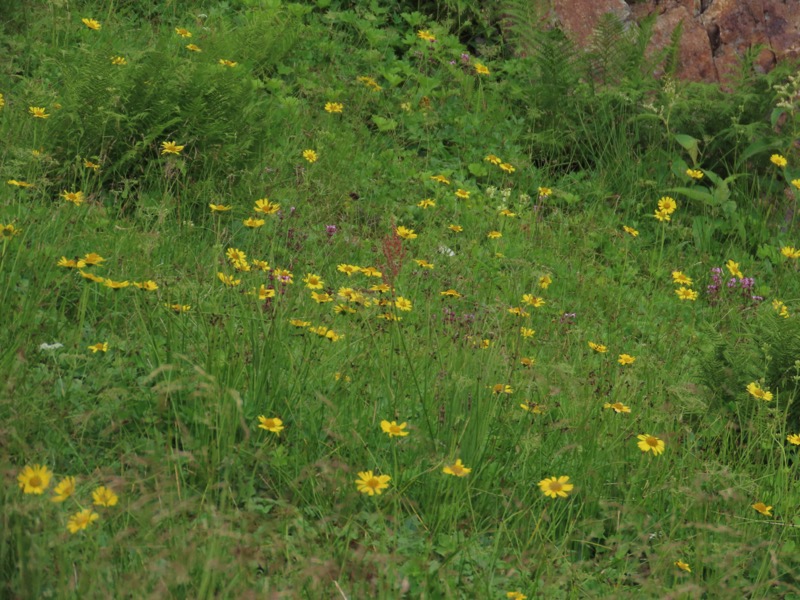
(320, 301)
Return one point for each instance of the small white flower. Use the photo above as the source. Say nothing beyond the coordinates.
(47, 347)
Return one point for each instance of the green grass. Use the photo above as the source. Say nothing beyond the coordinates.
(210, 505)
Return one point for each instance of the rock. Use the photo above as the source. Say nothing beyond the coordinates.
(579, 17)
(716, 34)
(695, 58)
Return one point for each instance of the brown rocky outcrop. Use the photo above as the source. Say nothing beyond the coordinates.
(715, 34)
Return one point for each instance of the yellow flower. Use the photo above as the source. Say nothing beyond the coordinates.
(790, 252)
(170, 148)
(261, 265)
(348, 269)
(334, 107)
(534, 301)
(64, 489)
(527, 332)
(274, 425)
(265, 293)
(545, 281)
(495, 160)
(35, 479)
(733, 268)
(193, 48)
(796, 183)
(441, 179)
(455, 228)
(518, 311)
(70, 263)
(778, 160)
(115, 285)
(310, 156)
(649, 443)
(763, 509)
(99, 347)
(502, 388)
(662, 215)
(481, 69)
(370, 484)
(235, 255)
(371, 272)
(421, 262)
(556, 488)
(313, 282)
(457, 469)
(405, 233)
(507, 213)
(403, 304)
(493, 235)
(38, 112)
(146, 286)
(626, 359)
(75, 197)
(179, 308)
(630, 230)
(119, 60)
(681, 279)
(793, 438)
(393, 429)
(241, 265)
(22, 184)
(686, 293)
(426, 203)
(756, 391)
(89, 276)
(184, 33)
(617, 407)
(81, 520)
(8, 231)
(227, 63)
(91, 24)
(526, 361)
(299, 323)
(450, 294)
(253, 223)
(694, 173)
(667, 204)
(780, 308)
(94, 259)
(426, 35)
(104, 496)
(321, 298)
(516, 596)
(682, 565)
(599, 348)
(370, 83)
(220, 207)
(90, 165)
(545, 192)
(508, 168)
(2, 101)
(463, 194)
(533, 408)
(228, 280)
(265, 206)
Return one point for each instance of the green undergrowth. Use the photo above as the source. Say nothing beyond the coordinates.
(228, 269)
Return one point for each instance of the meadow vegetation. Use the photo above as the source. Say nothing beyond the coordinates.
(390, 299)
